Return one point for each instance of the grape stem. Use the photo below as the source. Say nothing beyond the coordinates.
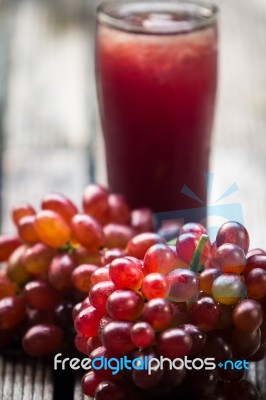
(194, 265)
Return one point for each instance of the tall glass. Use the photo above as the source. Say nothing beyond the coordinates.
(157, 73)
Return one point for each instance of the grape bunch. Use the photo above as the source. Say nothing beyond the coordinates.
(49, 264)
(186, 298)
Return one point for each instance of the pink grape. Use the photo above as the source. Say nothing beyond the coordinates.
(174, 343)
(186, 245)
(158, 313)
(234, 233)
(140, 244)
(125, 305)
(159, 258)
(205, 313)
(87, 321)
(184, 284)
(100, 275)
(230, 258)
(126, 273)
(142, 334)
(99, 294)
(192, 227)
(155, 285)
(116, 337)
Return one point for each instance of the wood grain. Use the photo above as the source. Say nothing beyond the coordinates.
(24, 379)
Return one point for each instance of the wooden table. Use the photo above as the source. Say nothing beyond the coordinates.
(50, 136)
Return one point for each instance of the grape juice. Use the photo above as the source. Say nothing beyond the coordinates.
(157, 96)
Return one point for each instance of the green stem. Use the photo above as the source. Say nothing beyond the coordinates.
(194, 265)
(68, 248)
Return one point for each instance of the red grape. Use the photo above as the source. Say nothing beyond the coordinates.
(140, 244)
(93, 343)
(109, 255)
(234, 233)
(141, 377)
(226, 319)
(256, 261)
(205, 313)
(183, 284)
(8, 243)
(100, 275)
(174, 343)
(40, 295)
(63, 314)
(61, 205)
(108, 390)
(141, 220)
(230, 258)
(60, 272)
(186, 245)
(96, 355)
(27, 230)
(118, 210)
(142, 334)
(21, 210)
(87, 321)
(87, 231)
(16, 270)
(12, 312)
(192, 227)
(95, 201)
(155, 285)
(99, 294)
(124, 305)
(105, 320)
(255, 252)
(217, 347)
(247, 316)
(7, 287)
(43, 339)
(158, 313)
(126, 273)
(84, 256)
(117, 235)
(198, 337)
(116, 337)
(206, 279)
(89, 383)
(159, 258)
(81, 277)
(259, 355)
(245, 344)
(256, 283)
(180, 313)
(37, 258)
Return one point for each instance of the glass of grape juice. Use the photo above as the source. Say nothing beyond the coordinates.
(156, 67)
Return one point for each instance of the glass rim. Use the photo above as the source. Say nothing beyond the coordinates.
(113, 15)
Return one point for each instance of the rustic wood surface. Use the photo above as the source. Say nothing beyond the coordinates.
(49, 125)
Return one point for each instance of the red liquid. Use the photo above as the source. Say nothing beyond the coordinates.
(157, 95)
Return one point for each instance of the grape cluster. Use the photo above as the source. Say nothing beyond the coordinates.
(188, 298)
(50, 263)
